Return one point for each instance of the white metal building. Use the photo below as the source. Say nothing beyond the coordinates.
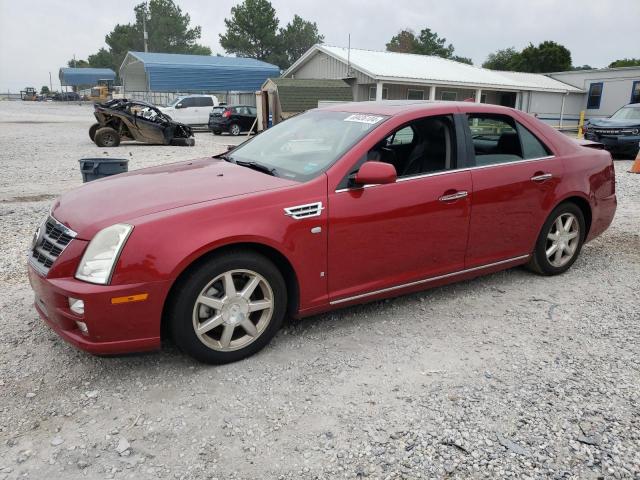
(376, 75)
(606, 90)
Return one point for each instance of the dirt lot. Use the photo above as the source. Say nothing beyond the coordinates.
(511, 375)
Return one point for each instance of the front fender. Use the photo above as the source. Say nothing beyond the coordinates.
(164, 244)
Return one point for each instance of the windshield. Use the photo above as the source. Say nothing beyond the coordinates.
(627, 113)
(302, 147)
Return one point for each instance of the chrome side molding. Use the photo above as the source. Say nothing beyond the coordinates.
(427, 280)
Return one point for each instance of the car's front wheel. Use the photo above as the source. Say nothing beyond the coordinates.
(228, 308)
(560, 240)
(107, 137)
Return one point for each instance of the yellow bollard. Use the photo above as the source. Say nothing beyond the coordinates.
(581, 126)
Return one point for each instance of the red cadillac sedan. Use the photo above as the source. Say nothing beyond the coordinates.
(337, 206)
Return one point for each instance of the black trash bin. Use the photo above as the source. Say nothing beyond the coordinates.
(95, 168)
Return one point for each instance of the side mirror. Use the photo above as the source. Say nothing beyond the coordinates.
(375, 173)
(179, 105)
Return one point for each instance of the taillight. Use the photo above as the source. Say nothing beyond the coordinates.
(226, 114)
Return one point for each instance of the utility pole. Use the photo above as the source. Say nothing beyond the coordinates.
(144, 28)
(50, 83)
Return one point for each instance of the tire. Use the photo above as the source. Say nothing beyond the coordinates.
(234, 129)
(210, 281)
(567, 240)
(107, 137)
(183, 142)
(92, 131)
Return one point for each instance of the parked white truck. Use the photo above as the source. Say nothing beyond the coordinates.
(191, 109)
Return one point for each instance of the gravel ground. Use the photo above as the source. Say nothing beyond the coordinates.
(508, 376)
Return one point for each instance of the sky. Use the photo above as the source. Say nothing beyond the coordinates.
(41, 38)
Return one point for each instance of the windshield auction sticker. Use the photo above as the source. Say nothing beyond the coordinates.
(361, 118)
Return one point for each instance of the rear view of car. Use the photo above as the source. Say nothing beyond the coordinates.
(234, 120)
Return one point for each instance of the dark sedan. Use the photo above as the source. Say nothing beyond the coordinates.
(233, 119)
(619, 133)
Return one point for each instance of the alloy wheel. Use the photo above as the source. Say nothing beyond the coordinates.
(235, 129)
(233, 310)
(563, 240)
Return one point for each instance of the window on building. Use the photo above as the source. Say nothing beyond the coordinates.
(635, 92)
(449, 96)
(372, 93)
(595, 95)
(415, 94)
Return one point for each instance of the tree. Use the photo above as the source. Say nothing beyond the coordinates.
(426, 43)
(44, 90)
(582, 67)
(502, 59)
(404, 42)
(168, 30)
(548, 56)
(296, 38)
(625, 62)
(459, 59)
(73, 63)
(101, 59)
(252, 30)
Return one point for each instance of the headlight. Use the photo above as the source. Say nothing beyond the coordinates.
(102, 253)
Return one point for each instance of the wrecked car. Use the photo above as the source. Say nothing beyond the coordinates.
(122, 120)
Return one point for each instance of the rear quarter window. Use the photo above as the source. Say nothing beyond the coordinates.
(531, 146)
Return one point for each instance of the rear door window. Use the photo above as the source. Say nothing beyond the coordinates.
(495, 139)
(205, 102)
(500, 139)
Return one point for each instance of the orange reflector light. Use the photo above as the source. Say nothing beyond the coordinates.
(140, 297)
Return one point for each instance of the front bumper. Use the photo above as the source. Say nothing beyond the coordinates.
(112, 328)
(616, 143)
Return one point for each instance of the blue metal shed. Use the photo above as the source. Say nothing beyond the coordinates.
(170, 72)
(84, 76)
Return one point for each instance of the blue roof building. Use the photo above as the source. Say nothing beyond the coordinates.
(169, 72)
(84, 76)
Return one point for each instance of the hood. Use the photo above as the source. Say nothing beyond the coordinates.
(122, 198)
(613, 123)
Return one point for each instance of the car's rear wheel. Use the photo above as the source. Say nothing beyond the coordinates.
(234, 129)
(560, 240)
(107, 137)
(92, 131)
(228, 308)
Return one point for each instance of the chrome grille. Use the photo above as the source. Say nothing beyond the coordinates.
(304, 211)
(48, 243)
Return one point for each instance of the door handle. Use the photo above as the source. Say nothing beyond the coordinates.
(542, 177)
(453, 196)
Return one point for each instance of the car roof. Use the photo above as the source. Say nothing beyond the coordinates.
(396, 107)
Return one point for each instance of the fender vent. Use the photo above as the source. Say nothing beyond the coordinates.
(304, 211)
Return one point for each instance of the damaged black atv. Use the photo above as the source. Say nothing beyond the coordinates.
(122, 119)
